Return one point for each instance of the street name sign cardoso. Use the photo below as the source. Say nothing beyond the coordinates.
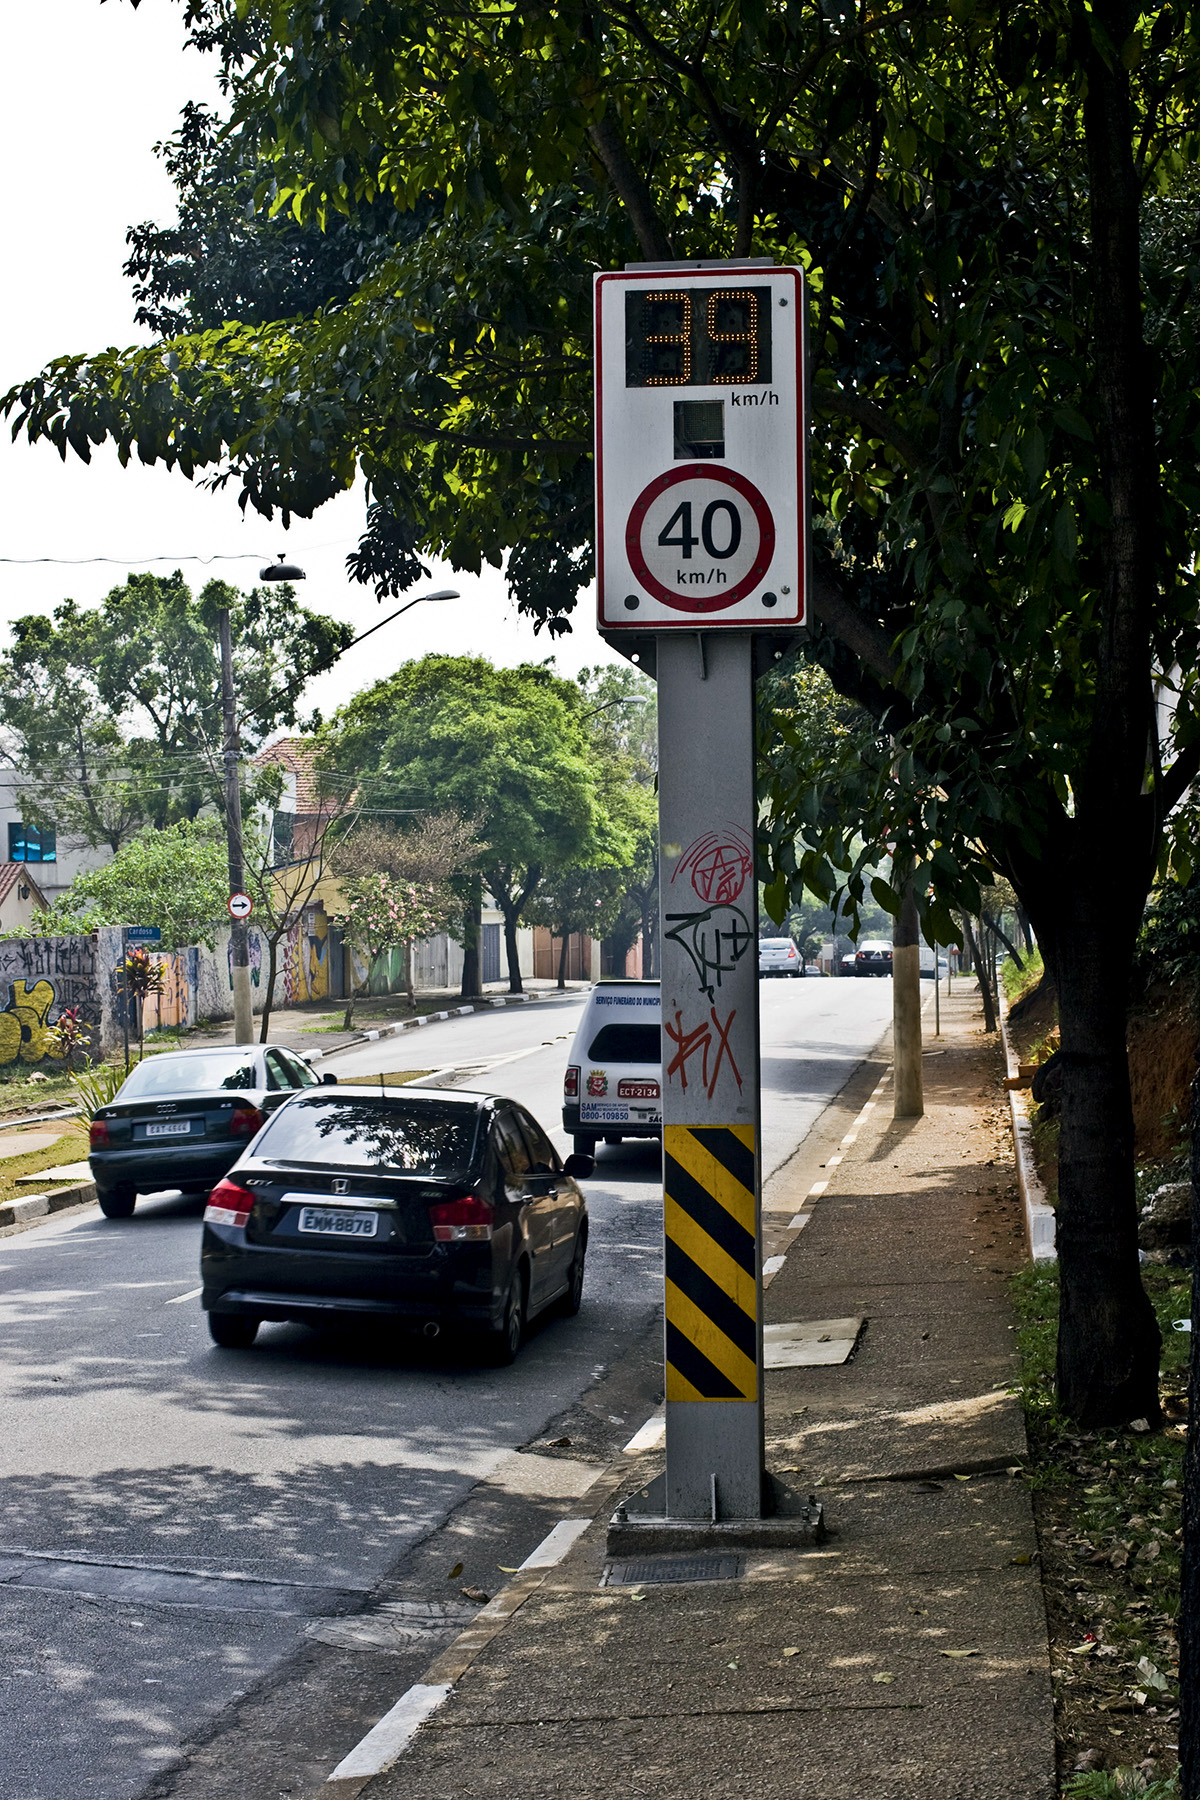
(700, 464)
(701, 504)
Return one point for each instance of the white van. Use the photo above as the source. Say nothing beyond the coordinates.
(613, 1085)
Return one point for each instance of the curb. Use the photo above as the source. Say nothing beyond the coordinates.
(453, 1012)
(36, 1206)
(1039, 1217)
(390, 1736)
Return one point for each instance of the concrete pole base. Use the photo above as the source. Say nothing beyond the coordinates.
(640, 1526)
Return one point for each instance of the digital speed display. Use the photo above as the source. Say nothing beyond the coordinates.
(697, 337)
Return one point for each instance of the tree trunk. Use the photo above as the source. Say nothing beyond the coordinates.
(907, 1086)
(562, 961)
(409, 988)
(977, 958)
(1189, 1587)
(647, 943)
(269, 996)
(1108, 1340)
(472, 932)
(512, 914)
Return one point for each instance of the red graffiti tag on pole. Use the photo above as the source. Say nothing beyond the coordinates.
(703, 1039)
(718, 865)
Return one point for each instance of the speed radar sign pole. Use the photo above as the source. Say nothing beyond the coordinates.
(702, 572)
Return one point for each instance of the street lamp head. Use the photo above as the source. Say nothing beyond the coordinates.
(282, 571)
(442, 594)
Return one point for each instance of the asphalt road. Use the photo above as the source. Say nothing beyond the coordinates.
(174, 1515)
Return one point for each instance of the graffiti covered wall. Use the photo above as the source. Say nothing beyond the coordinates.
(40, 977)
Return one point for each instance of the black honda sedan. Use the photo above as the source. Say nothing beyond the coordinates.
(183, 1118)
(424, 1207)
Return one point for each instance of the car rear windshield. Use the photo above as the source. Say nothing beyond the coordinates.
(627, 1044)
(775, 944)
(433, 1138)
(186, 1074)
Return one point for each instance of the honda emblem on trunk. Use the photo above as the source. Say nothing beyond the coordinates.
(339, 1185)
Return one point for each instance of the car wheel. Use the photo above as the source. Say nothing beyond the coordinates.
(506, 1341)
(117, 1203)
(572, 1300)
(233, 1331)
(584, 1144)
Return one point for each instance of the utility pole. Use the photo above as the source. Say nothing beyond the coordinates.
(909, 1098)
(239, 935)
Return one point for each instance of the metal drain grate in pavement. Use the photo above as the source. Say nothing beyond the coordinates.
(649, 1571)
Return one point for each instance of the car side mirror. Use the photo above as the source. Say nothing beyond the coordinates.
(579, 1167)
(329, 1079)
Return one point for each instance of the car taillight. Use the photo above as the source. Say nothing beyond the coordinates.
(246, 1121)
(98, 1138)
(228, 1204)
(571, 1083)
(466, 1217)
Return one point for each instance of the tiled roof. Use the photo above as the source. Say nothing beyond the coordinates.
(297, 755)
(9, 874)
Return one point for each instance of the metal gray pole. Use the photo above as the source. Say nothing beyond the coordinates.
(709, 973)
(243, 1012)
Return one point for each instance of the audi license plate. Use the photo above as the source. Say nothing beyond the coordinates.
(169, 1128)
(338, 1221)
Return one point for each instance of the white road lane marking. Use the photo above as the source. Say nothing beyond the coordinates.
(178, 1299)
(555, 1544)
(393, 1734)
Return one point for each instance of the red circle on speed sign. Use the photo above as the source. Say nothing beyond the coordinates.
(700, 538)
(240, 906)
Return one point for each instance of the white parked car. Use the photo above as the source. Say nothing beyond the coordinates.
(778, 956)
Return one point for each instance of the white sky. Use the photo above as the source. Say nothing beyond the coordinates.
(92, 88)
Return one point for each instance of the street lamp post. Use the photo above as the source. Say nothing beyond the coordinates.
(239, 933)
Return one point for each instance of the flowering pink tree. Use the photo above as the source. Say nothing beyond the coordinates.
(381, 913)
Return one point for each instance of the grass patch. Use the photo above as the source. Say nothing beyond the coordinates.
(72, 1146)
(1016, 982)
(1107, 1506)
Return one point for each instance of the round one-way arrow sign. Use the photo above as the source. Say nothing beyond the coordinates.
(700, 538)
(240, 906)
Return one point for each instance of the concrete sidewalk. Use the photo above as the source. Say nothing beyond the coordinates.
(903, 1659)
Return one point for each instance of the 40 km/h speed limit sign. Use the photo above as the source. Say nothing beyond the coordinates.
(700, 538)
(701, 463)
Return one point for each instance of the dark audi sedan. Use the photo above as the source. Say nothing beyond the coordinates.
(423, 1207)
(183, 1118)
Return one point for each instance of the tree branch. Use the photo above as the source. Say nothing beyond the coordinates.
(631, 188)
(860, 635)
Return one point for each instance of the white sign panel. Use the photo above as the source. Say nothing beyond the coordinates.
(701, 505)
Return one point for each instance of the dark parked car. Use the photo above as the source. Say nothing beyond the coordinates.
(424, 1207)
(873, 957)
(183, 1118)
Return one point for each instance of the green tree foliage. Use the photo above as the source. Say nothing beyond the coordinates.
(175, 877)
(505, 747)
(112, 714)
(994, 210)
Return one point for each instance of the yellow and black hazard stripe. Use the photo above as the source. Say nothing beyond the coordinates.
(711, 1253)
